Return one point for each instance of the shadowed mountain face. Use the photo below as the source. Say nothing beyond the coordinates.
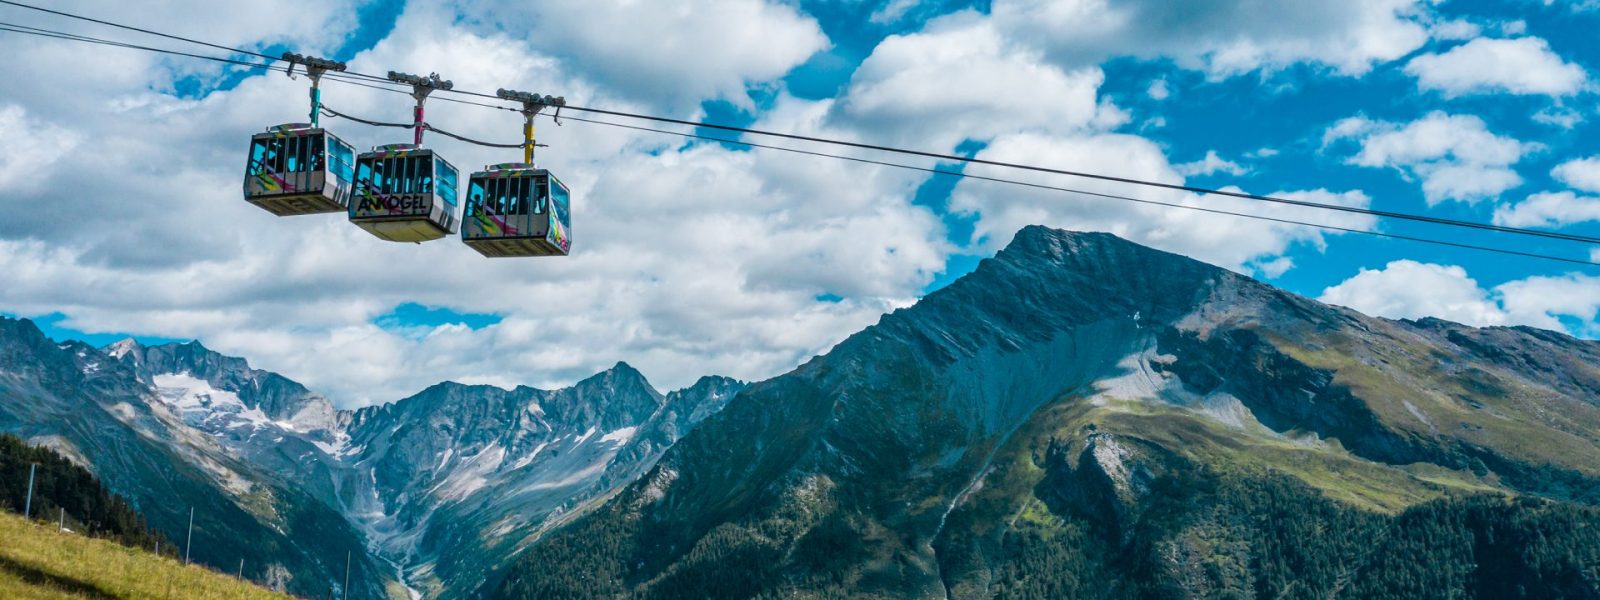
(1083, 416)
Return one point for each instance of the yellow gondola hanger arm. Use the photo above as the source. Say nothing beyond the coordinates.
(527, 136)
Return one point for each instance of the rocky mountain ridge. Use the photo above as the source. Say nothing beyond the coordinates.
(1086, 417)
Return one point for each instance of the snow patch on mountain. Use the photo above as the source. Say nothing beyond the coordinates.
(620, 436)
(204, 406)
(470, 476)
(586, 474)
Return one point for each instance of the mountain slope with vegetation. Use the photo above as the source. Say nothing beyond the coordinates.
(1086, 417)
(92, 409)
(68, 495)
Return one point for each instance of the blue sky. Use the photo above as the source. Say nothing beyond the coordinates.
(1473, 110)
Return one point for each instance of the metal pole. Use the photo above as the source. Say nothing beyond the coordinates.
(417, 123)
(27, 505)
(420, 88)
(189, 543)
(527, 136)
(346, 588)
(316, 99)
(61, 519)
(241, 568)
(315, 67)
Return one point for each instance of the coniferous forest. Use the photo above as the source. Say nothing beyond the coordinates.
(60, 485)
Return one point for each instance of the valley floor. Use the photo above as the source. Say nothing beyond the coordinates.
(36, 561)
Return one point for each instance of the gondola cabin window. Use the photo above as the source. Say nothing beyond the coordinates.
(447, 180)
(344, 160)
(560, 197)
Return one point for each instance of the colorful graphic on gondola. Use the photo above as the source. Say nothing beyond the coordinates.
(558, 234)
(492, 225)
(271, 182)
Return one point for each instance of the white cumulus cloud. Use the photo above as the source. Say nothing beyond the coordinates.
(958, 79)
(1221, 37)
(1456, 156)
(1583, 173)
(1519, 66)
(1212, 163)
(1407, 289)
(1549, 209)
(665, 53)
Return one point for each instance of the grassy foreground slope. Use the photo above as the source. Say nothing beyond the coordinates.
(36, 561)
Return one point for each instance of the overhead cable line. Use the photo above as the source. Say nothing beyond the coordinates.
(479, 142)
(333, 113)
(346, 78)
(349, 78)
(1112, 178)
(965, 175)
(15, 28)
(140, 30)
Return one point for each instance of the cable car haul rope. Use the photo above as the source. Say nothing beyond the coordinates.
(407, 193)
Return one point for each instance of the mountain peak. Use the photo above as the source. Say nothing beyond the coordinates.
(1094, 252)
(19, 328)
(123, 347)
(621, 374)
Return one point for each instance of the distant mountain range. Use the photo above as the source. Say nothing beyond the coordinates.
(433, 492)
(1079, 417)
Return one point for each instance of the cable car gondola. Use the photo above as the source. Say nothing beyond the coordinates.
(300, 168)
(404, 193)
(297, 169)
(517, 209)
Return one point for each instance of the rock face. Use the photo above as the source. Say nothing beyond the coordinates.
(454, 480)
(434, 491)
(1083, 416)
